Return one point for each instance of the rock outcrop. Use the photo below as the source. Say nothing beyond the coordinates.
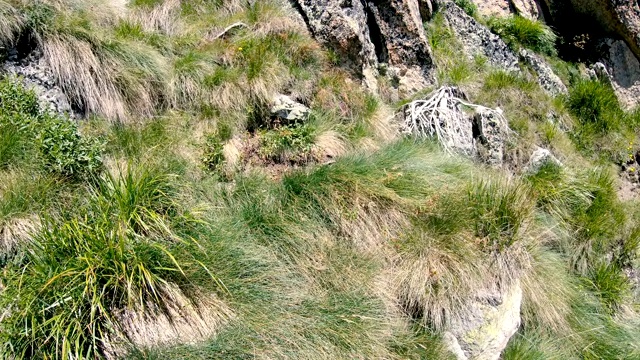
(530, 9)
(548, 80)
(36, 76)
(491, 134)
(622, 69)
(620, 17)
(484, 335)
(365, 34)
(477, 39)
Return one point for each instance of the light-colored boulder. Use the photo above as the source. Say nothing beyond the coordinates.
(285, 108)
(484, 335)
(540, 157)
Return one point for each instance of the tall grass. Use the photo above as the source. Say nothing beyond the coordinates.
(79, 270)
(520, 31)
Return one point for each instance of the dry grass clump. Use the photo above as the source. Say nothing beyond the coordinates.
(10, 23)
(179, 321)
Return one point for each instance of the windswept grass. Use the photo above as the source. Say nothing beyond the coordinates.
(519, 31)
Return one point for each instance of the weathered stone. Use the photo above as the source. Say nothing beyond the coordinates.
(548, 80)
(365, 34)
(491, 134)
(527, 8)
(494, 319)
(343, 27)
(477, 39)
(36, 76)
(285, 108)
(540, 157)
(404, 43)
(622, 69)
(500, 8)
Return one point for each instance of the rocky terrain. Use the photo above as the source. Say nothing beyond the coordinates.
(320, 179)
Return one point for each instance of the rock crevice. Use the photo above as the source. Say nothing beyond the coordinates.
(367, 34)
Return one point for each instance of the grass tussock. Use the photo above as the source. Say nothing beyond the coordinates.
(519, 31)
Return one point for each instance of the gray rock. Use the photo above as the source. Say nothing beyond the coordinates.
(529, 9)
(32, 72)
(477, 39)
(494, 319)
(365, 34)
(491, 135)
(538, 158)
(621, 69)
(548, 80)
(285, 108)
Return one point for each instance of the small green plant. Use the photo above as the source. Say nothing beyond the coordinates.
(468, 6)
(57, 142)
(519, 31)
(213, 155)
(288, 142)
(610, 284)
(66, 152)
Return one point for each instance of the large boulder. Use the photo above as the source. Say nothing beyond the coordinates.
(495, 318)
(365, 34)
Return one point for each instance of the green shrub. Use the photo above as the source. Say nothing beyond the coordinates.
(610, 284)
(66, 152)
(519, 31)
(288, 142)
(58, 144)
(468, 6)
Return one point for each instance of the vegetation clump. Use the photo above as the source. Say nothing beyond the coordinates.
(519, 31)
(133, 234)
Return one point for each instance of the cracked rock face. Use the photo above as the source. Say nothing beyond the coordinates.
(365, 34)
(478, 39)
(548, 80)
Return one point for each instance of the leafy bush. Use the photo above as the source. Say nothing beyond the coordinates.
(519, 31)
(64, 150)
(60, 147)
(288, 142)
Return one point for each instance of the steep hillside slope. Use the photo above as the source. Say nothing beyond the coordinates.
(269, 179)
